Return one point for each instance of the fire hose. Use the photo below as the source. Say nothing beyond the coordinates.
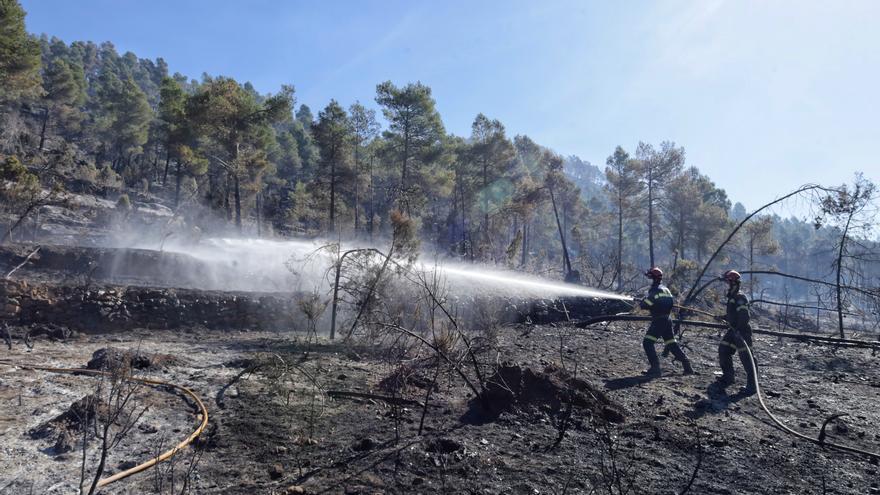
(874, 345)
(203, 412)
(818, 441)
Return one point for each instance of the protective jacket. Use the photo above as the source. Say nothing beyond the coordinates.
(659, 301)
(738, 312)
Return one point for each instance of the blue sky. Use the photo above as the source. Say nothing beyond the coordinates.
(765, 96)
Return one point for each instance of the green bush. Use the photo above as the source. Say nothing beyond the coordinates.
(123, 203)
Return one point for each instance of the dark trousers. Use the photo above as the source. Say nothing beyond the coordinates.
(735, 342)
(661, 331)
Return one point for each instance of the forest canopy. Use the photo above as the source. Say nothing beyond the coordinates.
(233, 161)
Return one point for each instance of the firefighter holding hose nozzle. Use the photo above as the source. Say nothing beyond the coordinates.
(738, 338)
(659, 302)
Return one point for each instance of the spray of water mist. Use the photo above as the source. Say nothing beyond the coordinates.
(302, 265)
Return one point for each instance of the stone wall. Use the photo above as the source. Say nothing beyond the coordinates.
(120, 266)
(112, 308)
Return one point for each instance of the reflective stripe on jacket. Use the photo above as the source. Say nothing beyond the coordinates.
(658, 301)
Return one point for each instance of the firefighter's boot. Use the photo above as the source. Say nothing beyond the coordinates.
(653, 360)
(676, 351)
(726, 362)
(751, 380)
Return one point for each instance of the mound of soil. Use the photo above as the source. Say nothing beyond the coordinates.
(110, 359)
(514, 388)
(403, 378)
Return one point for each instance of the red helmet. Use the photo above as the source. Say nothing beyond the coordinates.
(731, 276)
(654, 273)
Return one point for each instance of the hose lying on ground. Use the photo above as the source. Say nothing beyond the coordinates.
(777, 421)
(203, 412)
(818, 441)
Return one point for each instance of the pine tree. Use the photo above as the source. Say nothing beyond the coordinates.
(122, 117)
(132, 116)
(64, 94)
(364, 128)
(758, 240)
(19, 55)
(242, 128)
(624, 185)
(492, 156)
(684, 200)
(173, 122)
(414, 134)
(333, 133)
(658, 167)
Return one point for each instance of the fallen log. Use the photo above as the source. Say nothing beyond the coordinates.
(818, 339)
(399, 401)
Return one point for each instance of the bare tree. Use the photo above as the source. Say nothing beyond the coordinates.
(850, 209)
(110, 414)
(166, 480)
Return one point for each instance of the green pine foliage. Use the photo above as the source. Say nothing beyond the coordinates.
(230, 159)
(19, 55)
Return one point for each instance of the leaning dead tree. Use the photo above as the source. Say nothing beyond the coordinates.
(22, 194)
(695, 288)
(693, 292)
(847, 208)
(402, 253)
(338, 270)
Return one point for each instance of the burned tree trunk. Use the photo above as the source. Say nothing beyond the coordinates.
(566, 261)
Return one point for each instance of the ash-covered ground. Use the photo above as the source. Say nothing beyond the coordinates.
(293, 415)
(561, 409)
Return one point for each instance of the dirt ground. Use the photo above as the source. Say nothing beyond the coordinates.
(291, 417)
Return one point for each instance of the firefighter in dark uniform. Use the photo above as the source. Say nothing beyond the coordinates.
(659, 301)
(738, 338)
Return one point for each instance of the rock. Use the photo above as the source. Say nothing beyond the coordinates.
(364, 444)
(291, 490)
(108, 358)
(372, 479)
(304, 441)
(612, 415)
(148, 428)
(443, 446)
(276, 471)
(718, 442)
